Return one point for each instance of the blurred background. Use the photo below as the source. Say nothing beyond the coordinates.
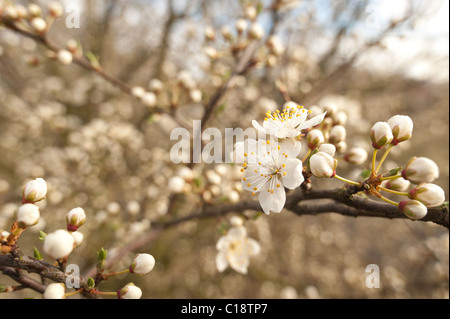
(108, 152)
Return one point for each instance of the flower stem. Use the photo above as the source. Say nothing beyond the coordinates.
(390, 177)
(306, 155)
(346, 180)
(392, 191)
(374, 159)
(106, 276)
(104, 293)
(389, 201)
(73, 293)
(384, 157)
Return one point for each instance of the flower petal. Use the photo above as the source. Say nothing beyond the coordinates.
(291, 147)
(272, 202)
(221, 261)
(312, 122)
(294, 175)
(286, 132)
(252, 247)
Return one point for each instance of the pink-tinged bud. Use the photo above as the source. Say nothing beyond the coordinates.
(381, 134)
(323, 165)
(34, 191)
(356, 155)
(315, 138)
(27, 215)
(75, 218)
(338, 133)
(420, 170)
(413, 209)
(402, 127)
(130, 291)
(399, 184)
(430, 195)
(142, 264)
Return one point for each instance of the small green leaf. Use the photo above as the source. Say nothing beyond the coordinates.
(42, 235)
(37, 254)
(366, 173)
(393, 172)
(91, 283)
(101, 254)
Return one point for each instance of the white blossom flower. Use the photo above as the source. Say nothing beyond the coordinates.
(142, 264)
(235, 250)
(58, 244)
(420, 170)
(129, 291)
(431, 195)
(269, 169)
(413, 209)
(55, 291)
(288, 123)
(78, 237)
(28, 215)
(34, 190)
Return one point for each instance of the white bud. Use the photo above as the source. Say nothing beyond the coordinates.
(315, 138)
(55, 291)
(58, 244)
(138, 91)
(402, 127)
(430, 195)
(236, 221)
(133, 207)
(130, 291)
(420, 170)
(142, 264)
(256, 31)
(413, 209)
(381, 134)
(210, 52)
(55, 9)
(356, 155)
(210, 34)
(241, 25)
(155, 85)
(34, 10)
(64, 57)
(75, 218)
(39, 24)
(149, 99)
(28, 215)
(226, 32)
(78, 238)
(341, 147)
(327, 148)
(399, 184)
(176, 184)
(250, 13)
(185, 173)
(340, 118)
(34, 190)
(323, 165)
(338, 133)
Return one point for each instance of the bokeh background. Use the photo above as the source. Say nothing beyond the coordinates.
(108, 152)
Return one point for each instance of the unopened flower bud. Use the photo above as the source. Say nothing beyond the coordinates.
(226, 32)
(55, 9)
(55, 291)
(138, 91)
(413, 209)
(211, 52)
(338, 133)
(341, 147)
(420, 170)
(327, 148)
(402, 127)
(142, 264)
(430, 195)
(315, 138)
(58, 244)
(381, 134)
(323, 165)
(356, 155)
(155, 86)
(340, 118)
(399, 184)
(28, 215)
(176, 184)
(250, 13)
(39, 24)
(210, 34)
(241, 25)
(196, 95)
(256, 31)
(10, 12)
(78, 237)
(149, 99)
(34, 10)
(75, 218)
(64, 57)
(236, 221)
(130, 291)
(34, 190)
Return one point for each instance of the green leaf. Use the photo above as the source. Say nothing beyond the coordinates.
(393, 172)
(42, 235)
(366, 173)
(37, 254)
(101, 254)
(91, 283)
